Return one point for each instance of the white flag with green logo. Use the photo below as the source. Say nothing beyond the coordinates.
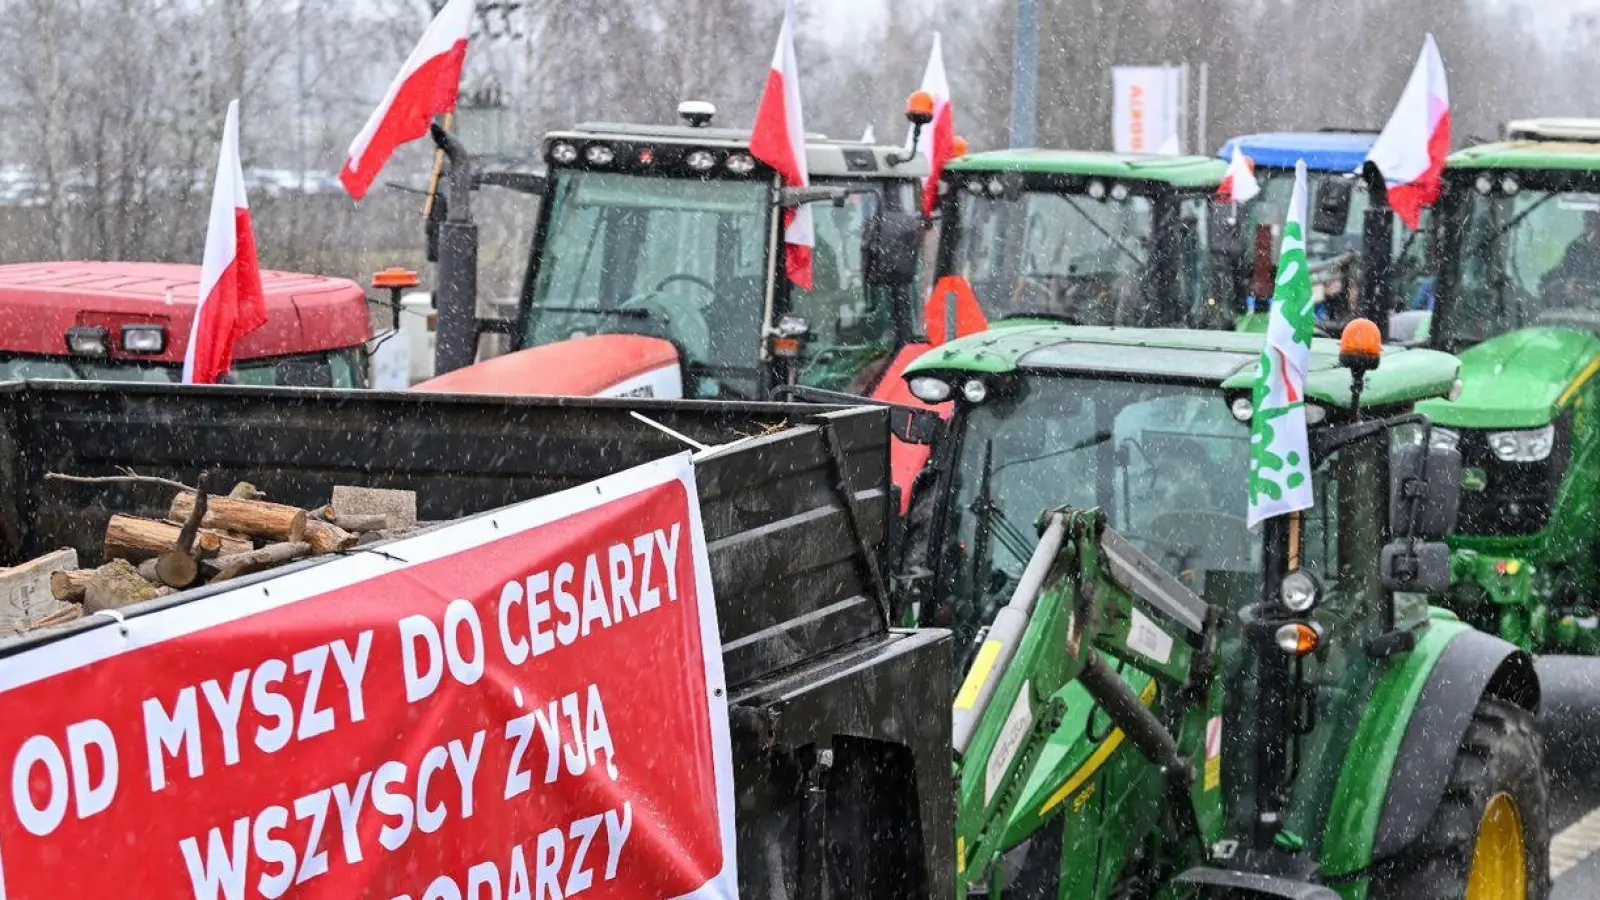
(1280, 455)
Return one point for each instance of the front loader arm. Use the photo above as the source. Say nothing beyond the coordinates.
(1086, 597)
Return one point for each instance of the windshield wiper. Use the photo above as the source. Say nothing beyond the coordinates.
(1517, 219)
(1104, 231)
(630, 313)
(992, 521)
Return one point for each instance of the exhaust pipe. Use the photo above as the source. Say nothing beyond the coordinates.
(456, 294)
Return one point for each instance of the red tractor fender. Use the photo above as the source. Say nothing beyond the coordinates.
(602, 365)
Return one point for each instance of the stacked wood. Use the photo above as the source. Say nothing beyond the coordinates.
(137, 539)
(68, 586)
(115, 585)
(267, 557)
(255, 518)
(359, 524)
(26, 593)
(326, 537)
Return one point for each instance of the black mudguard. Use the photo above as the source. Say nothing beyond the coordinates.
(1474, 664)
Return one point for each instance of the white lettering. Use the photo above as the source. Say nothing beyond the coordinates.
(173, 734)
(222, 868)
(458, 613)
(391, 804)
(271, 850)
(515, 649)
(271, 703)
(92, 798)
(313, 721)
(353, 669)
(39, 749)
(419, 683)
(226, 709)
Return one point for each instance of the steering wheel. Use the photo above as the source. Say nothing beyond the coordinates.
(1204, 525)
(695, 280)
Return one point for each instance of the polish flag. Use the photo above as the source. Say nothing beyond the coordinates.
(1411, 149)
(231, 301)
(1239, 185)
(938, 139)
(779, 140)
(426, 86)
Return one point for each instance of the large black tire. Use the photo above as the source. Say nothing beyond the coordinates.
(1500, 755)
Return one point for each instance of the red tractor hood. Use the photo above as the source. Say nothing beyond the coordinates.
(602, 365)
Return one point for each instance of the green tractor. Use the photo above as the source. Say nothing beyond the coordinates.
(1081, 237)
(1517, 249)
(1159, 701)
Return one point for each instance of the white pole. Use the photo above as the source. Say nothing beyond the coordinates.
(1183, 108)
(1200, 123)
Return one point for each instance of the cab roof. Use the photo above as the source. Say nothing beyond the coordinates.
(1323, 151)
(1528, 154)
(1222, 358)
(40, 301)
(824, 156)
(1178, 171)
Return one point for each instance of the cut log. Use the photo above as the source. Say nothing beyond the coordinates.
(267, 557)
(325, 537)
(257, 518)
(68, 586)
(400, 507)
(69, 612)
(25, 590)
(136, 539)
(115, 585)
(357, 523)
(177, 570)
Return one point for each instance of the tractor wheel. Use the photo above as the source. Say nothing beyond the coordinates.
(1490, 836)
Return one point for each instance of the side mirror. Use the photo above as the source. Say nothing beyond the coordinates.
(1437, 500)
(890, 247)
(1420, 569)
(1332, 212)
(303, 373)
(1225, 229)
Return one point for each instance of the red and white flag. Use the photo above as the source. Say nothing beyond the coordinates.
(1239, 185)
(779, 140)
(426, 87)
(231, 302)
(1411, 149)
(938, 139)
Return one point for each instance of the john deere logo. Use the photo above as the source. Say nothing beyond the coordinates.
(1474, 480)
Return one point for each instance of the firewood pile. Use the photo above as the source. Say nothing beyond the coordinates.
(204, 538)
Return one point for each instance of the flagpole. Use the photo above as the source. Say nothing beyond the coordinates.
(1025, 75)
(438, 169)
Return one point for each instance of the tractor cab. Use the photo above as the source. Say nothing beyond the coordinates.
(1162, 701)
(1336, 245)
(1080, 237)
(1519, 302)
(657, 268)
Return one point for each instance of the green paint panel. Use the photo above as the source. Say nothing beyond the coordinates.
(1406, 375)
(1515, 380)
(1177, 171)
(1566, 155)
(1358, 800)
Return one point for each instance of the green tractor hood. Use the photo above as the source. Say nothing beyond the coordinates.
(1518, 380)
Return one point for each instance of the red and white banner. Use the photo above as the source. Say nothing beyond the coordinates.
(1411, 149)
(231, 302)
(1239, 185)
(529, 704)
(1145, 108)
(427, 86)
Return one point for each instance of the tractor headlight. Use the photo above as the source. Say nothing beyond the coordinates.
(741, 164)
(1119, 192)
(599, 155)
(701, 160)
(975, 391)
(144, 338)
(1532, 445)
(929, 390)
(1444, 439)
(1299, 591)
(564, 153)
(87, 340)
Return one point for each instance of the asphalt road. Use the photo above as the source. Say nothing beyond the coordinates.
(1570, 720)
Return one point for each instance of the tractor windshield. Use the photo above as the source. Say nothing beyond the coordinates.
(1166, 462)
(1531, 258)
(336, 369)
(1086, 261)
(1334, 241)
(679, 258)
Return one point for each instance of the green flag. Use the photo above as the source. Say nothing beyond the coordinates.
(1280, 455)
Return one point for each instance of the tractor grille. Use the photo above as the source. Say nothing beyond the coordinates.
(1511, 498)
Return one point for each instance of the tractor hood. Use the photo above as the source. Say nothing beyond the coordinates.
(602, 365)
(1518, 380)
